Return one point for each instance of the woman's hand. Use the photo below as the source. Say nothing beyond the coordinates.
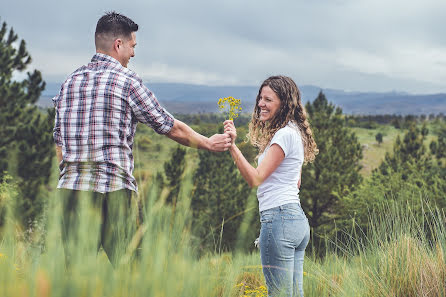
(230, 129)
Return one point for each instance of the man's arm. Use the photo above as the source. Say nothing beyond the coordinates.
(185, 135)
(59, 153)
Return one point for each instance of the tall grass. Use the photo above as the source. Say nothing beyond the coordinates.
(400, 254)
(166, 263)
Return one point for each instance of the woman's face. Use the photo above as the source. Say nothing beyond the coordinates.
(269, 104)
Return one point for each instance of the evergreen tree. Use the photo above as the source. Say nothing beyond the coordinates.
(34, 146)
(408, 175)
(406, 152)
(335, 171)
(25, 132)
(219, 202)
(438, 147)
(174, 170)
(396, 122)
(424, 130)
(379, 137)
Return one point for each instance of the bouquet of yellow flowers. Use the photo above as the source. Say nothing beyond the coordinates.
(234, 107)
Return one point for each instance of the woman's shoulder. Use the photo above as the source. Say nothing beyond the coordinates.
(288, 138)
(290, 131)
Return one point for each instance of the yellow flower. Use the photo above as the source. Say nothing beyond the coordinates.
(234, 106)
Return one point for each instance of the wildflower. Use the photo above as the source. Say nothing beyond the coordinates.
(260, 291)
(234, 106)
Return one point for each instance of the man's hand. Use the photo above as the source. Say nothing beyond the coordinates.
(219, 142)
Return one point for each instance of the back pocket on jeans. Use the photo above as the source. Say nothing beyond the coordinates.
(295, 228)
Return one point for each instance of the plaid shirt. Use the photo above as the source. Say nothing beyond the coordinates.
(97, 110)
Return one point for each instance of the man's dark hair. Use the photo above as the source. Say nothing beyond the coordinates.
(116, 25)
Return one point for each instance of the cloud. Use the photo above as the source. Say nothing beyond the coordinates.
(359, 45)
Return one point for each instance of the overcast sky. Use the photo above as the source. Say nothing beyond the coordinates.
(357, 45)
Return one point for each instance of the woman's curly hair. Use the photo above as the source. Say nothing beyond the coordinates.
(291, 109)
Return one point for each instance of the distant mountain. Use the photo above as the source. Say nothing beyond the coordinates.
(186, 98)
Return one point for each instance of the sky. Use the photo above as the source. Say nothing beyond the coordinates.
(353, 45)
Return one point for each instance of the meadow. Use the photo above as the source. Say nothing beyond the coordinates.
(400, 254)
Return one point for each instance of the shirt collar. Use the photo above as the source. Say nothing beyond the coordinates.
(98, 57)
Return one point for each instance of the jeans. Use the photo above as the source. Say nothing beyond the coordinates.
(284, 235)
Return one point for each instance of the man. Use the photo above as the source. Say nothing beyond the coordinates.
(97, 110)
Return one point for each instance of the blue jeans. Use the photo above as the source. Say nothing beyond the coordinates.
(284, 235)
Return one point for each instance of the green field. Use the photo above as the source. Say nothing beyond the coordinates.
(373, 152)
(401, 255)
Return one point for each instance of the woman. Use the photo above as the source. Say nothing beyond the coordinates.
(279, 128)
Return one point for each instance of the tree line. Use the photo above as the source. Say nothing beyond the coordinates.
(397, 121)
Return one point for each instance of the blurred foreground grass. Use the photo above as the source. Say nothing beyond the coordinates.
(401, 254)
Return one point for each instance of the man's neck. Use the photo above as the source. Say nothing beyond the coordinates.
(108, 53)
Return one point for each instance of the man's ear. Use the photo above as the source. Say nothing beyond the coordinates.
(117, 44)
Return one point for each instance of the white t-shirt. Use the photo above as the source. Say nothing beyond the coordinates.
(281, 186)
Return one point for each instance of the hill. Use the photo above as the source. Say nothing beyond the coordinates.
(186, 98)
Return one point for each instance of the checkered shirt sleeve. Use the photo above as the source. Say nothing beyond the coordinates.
(147, 110)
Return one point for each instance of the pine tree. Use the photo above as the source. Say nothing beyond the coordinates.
(35, 154)
(218, 202)
(379, 137)
(25, 132)
(174, 170)
(438, 147)
(406, 176)
(335, 171)
(406, 153)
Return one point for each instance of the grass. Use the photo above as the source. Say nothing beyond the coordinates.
(400, 255)
(373, 152)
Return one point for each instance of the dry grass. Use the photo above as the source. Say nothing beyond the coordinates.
(406, 268)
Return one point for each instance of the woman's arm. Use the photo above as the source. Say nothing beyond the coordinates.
(254, 176)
